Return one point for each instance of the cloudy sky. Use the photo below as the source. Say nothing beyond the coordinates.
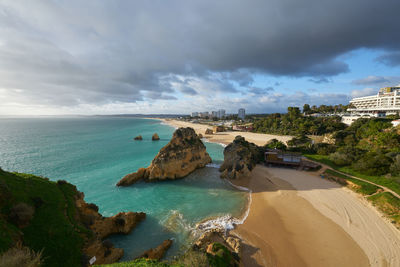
(107, 57)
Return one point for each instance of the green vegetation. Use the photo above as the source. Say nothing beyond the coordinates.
(139, 263)
(388, 204)
(40, 214)
(362, 187)
(391, 183)
(294, 123)
(21, 256)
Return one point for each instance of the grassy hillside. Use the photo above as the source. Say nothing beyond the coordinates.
(52, 227)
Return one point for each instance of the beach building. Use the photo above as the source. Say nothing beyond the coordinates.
(386, 102)
(241, 113)
(285, 158)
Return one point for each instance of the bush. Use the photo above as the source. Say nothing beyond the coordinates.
(324, 149)
(275, 144)
(193, 258)
(21, 257)
(341, 159)
(373, 163)
(21, 214)
(395, 167)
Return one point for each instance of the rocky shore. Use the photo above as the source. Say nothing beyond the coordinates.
(180, 157)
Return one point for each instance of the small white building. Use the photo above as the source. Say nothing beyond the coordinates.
(396, 123)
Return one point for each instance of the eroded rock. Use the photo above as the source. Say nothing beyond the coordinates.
(180, 157)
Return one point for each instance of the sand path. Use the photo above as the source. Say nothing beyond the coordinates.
(299, 219)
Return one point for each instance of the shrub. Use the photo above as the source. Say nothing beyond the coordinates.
(61, 182)
(373, 163)
(395, 167)
(21, 257)
(324, 149)
(341, 159)
(119, 221)
(275, 144)
(21, 214)
(193, 258)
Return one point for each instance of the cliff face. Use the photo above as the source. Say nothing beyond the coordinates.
(180, 157)
(102, 227)
(54, 218)
(240, 157)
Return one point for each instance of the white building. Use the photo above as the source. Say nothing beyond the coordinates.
(214, 114)
(241, 113)
(386, 102)
(221, 113)
(195, 114)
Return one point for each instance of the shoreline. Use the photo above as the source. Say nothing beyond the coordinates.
(351, 238)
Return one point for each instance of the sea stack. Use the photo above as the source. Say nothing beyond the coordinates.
(139, 137)
(180, 157)
(155, 137)
(240, 157)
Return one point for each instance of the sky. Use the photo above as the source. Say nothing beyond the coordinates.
(60, 57)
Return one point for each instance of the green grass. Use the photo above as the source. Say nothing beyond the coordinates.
(380, 180)
(365, 188)
(140, 263)
(387, 203)
(53, 226)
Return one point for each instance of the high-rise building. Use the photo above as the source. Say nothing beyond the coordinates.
(214, 114)
(221, 113)
(195, 114)
(241, 113)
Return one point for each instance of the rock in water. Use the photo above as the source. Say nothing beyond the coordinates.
(139, 137)
(240, 157)
(180, 157)
(155, 137)
(158, 252)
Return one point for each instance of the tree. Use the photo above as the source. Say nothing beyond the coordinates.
(306, 109)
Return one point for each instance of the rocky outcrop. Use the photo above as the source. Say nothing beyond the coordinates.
(240, 157)
(232, 244)
(200, 135)
(208, 131)
(180, 157)
(155, 137)
(139, 137)
(102, 227)
(158, 252)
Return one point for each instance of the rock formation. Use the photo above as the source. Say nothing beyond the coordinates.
(158, 252)
(155, 137)
(208, 131)
(180, 157)
(240, 157)
(139, 137)
(200, 135)
(102, 227)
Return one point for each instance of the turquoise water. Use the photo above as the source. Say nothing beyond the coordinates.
(95, 152)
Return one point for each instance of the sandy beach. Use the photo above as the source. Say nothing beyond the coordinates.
(227, 137)
(298, 219)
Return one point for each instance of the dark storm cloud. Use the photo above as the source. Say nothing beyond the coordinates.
(69, 52)
(391, 59)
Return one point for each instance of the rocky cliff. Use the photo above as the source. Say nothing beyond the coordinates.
(180, 157)
(53, 217)
(240, 157)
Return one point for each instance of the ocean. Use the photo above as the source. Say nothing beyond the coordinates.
(94, 153)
